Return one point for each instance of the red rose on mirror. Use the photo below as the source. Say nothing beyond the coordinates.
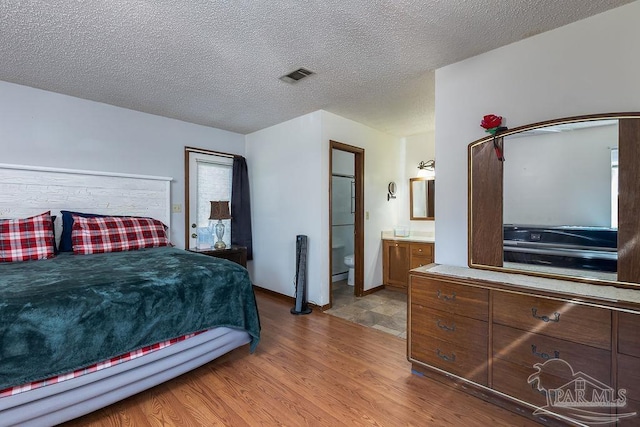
(491, 121)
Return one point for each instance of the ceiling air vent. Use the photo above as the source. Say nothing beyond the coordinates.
(296, 75)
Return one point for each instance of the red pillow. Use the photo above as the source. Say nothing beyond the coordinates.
(27, 239)
(116, 234)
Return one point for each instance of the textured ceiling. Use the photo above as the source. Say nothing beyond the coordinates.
(217, 63)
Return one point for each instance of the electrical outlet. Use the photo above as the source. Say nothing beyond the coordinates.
(177, 208)
(366, 215)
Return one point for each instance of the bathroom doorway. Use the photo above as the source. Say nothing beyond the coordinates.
(346, 213)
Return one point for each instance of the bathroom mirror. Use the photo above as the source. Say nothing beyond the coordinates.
(562, 203)
(421, 197)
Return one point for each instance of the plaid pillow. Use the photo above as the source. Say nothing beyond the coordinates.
(27, 239)
(116, 234)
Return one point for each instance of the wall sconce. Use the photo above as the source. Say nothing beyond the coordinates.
(427, 168)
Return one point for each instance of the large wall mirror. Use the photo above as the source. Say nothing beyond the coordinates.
(422, 198)
(565, 202)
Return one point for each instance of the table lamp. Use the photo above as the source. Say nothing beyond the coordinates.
(220, 211)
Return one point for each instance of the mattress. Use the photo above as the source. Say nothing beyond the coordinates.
(64, 314)
(63, 401)
(69, 312)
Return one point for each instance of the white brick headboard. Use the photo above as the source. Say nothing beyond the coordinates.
(31, 190)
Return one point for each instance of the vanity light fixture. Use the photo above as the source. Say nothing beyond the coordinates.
(428, 165)
(427, 169)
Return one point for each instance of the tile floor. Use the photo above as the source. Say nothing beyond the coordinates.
(384, 310)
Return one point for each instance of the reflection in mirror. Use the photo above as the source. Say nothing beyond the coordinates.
(560, 196)
(422, 192)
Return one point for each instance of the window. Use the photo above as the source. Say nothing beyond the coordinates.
(209, 179)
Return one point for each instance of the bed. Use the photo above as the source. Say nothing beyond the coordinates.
(81, 331)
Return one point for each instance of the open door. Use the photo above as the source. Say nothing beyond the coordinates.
(358, 208)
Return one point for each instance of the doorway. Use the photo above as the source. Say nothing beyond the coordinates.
(346, 187)
(201, 167)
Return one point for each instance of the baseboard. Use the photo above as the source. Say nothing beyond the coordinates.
(395, 288)
(339, 276)
(320, 307)
(372, 290)
(287, 298)
(274, 294)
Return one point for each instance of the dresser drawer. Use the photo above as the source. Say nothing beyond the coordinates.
(465, 362)
(420, 260)
(632, 406)
(453, 298)
(422, 249)
(464, 331)
(512, 379)
(532, 385)
(629, 380)
(629, 335)
(629, 375)
(558, 319)
(527, 349)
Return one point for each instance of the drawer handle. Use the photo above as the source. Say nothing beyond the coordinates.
(444, 357)
(544, 356)
(445, 327)
(445, 297)
(556, 316)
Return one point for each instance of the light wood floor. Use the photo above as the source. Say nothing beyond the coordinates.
(315, 370)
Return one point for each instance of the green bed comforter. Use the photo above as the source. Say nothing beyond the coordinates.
(71, 311)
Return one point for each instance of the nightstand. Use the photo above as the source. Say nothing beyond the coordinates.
(237, 254)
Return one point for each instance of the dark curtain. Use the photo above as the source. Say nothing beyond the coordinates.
(241, 206)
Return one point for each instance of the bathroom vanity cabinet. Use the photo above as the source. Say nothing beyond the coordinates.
(400, 256)
(507, 343)
(395, 263)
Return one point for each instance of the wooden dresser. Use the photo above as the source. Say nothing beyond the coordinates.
(400, 256)
(493, 338)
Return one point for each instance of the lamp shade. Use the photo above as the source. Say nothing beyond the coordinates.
(220, 210)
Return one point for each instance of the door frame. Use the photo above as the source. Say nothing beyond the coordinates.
(188, 151)
(358, 238)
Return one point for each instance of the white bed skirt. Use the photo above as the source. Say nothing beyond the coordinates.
(56, 403)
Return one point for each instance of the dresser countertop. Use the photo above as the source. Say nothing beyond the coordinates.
(607, 292)
(415, 236)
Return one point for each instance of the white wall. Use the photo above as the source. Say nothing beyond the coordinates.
(48, 129)
(285, 175)
(419, 147)
(586, 67)
(289, 177)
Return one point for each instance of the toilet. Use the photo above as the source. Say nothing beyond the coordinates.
(348, 261)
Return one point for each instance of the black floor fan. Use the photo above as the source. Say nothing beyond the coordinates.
(301, 306)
